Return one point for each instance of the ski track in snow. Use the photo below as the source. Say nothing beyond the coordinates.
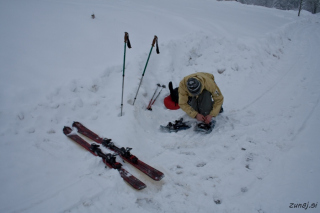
(295, 77)
(270, 81)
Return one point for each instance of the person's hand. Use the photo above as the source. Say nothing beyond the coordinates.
(200, 117)
(207, 119)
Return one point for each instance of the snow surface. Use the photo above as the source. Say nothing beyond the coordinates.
(58, 66)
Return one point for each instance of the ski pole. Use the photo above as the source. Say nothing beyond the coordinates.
(155, 40)
(149, 105)
(163, 86)
(126, 42)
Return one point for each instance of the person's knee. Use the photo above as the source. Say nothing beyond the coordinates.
(205, 102)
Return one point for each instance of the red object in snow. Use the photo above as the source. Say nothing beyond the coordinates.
(170, 104)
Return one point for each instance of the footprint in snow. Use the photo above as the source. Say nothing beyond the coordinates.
(51, 131)
(244, 189)
(178, 169)
(31, 130)
(202, 164)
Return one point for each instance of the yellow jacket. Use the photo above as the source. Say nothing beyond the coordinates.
(208, 83)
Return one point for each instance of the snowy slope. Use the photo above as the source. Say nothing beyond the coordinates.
(58, 66)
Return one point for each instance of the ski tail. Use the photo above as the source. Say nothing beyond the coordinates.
(133, 181)
(205, 128)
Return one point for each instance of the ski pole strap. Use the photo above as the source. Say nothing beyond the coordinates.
(155, 41)
(157, 47)
(126, 39)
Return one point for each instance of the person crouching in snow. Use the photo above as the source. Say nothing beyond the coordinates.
(200, 97)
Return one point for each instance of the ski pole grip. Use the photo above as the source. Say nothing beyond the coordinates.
(154, 40)
(126, 35)
(126, 39)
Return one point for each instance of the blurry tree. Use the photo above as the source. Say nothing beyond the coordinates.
(313, 5)
(309, 5)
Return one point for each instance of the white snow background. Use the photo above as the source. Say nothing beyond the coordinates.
(57, 65)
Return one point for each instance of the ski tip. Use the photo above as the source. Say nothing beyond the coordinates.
(75, 124)
(165, 129)
(67, 130)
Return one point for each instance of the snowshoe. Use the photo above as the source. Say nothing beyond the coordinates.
(205, 128)
(176, 126)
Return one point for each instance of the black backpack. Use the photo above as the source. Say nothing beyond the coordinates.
(174, 93)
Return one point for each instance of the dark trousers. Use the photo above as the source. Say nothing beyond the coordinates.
(203, 104)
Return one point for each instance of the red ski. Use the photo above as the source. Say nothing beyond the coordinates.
(124, 153)
(108, 159)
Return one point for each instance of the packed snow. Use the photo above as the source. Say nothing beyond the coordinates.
(58, 65)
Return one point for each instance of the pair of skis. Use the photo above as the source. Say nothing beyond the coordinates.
(151, 102)
(110, 159)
